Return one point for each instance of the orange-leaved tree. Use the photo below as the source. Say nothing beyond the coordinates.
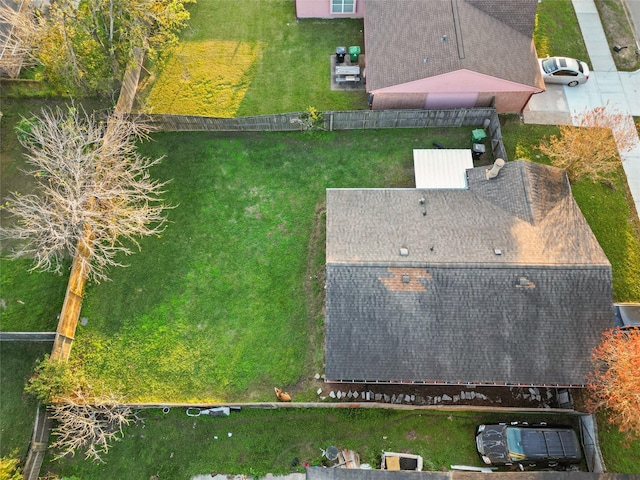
(614, 384)
(590, 149)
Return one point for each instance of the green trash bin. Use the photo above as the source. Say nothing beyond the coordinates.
(478, 135)
(354, 52)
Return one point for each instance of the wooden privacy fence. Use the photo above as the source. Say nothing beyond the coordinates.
(70, 314)
(342, 120)
(27, 336)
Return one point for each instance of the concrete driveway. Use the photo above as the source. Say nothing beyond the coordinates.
(549, 107)
(559, 104)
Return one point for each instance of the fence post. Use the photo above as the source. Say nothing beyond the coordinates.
(38, 446)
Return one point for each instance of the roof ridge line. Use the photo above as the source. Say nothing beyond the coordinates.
(458, 28)
(526, 183)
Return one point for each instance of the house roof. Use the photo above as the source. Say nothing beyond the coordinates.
(501, 283)
(426, 38)
(522, 213)
(459, 81)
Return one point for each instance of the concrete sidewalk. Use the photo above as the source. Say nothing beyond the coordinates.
(559, 105)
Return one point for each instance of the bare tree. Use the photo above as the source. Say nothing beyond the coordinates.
(591, 148)
(93, 197)
(88, 424)
(19, 32)
(85, 421)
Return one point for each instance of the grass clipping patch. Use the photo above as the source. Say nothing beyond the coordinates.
(207, 78)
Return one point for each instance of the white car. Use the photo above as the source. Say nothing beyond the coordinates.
(563, 70)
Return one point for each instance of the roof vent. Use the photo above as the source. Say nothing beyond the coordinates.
(404, 252)
(406, 278)
(497, 251)
(497, 165)
(524, 282)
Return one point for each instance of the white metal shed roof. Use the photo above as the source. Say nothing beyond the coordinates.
(442, 168)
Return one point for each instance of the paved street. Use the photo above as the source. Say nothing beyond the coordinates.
(633, 7)
(620, 90)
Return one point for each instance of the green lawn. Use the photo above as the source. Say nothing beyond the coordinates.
(244, 57)
(221, 306)
(227, 302)
(31, 300)
(557, 31)
(267, 441)
(620, 455)
(17, 410)
(619, 31)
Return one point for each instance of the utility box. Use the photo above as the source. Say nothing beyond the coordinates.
(477, 150)
(354, 52)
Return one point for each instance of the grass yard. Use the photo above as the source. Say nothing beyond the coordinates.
(231, 66)
(242, 57)
(557, 32)
(17, 410)
(225, 304)
(30, 301)
(267, 441)
(620, 455)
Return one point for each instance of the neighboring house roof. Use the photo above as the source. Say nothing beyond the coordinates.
(416, 39)
(460, 81)
(315, 473)
(500, 283)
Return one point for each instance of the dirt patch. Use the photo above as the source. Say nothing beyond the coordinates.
(315, 293)
(411, 435)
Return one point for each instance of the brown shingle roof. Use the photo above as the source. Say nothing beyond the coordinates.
(414, 39)
(517, 14)
(522, 212)
(450, 308)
